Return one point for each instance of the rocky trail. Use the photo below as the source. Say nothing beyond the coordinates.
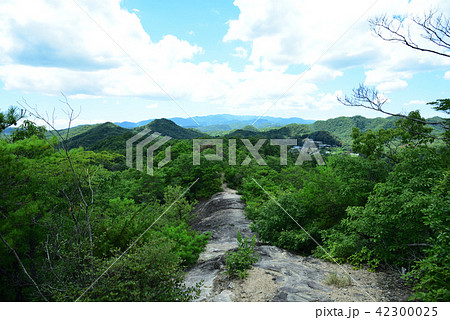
(278, 275)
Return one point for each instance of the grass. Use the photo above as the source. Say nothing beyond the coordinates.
(338, 281)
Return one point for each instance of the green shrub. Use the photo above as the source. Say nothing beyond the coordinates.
(431, 275)
(386, 230)
(186, 243)
(338, 281)
(149, 272)
(237, 263)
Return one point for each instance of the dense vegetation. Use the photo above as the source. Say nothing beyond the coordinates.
(70, 216)
(388, 208)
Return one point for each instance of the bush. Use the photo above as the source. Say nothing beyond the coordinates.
(188, 244)
(151, 272)
(319, 205)
(237, 263)
(431, 275)
(338, 281)
(387, 229)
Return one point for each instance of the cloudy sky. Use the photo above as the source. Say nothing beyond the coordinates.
(132, 60)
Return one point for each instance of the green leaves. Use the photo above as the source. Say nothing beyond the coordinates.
(187, 244)
(238, 262)
(11, 117)
(409, 133)
(431, 275)
(48, 212)
(149, 272)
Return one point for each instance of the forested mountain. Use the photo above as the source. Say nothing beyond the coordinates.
(292, 131)
(96, 134)
(169, 128)
(336, 131)
(342, 126)
(111, 137)
(221, 122)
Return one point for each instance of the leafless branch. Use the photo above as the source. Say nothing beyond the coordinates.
(63, 140)
(370, 98)
(436, 28)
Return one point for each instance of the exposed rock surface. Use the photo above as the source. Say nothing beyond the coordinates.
(278, 275)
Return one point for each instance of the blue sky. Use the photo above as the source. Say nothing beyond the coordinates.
(130, 60)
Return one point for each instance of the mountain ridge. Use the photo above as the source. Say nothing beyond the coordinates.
(232, 121)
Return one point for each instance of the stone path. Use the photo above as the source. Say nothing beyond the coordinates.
(278, 275)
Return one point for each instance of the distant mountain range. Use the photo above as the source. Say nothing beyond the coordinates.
(222, 122)
(110, 136)
(337, 131)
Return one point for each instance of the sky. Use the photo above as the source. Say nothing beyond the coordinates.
(133, 60)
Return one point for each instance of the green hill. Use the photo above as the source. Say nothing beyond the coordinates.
(74, 131)
(291, 131)
(169, 128)
(337, 131)
(95, 135)
(111, 137)
(342, 126)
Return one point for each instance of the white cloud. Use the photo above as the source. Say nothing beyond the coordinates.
(416, 103)
(447, 75)
(240, 52)
(61, 49)
(61, 123)
(152, 106)
(305, 32)
(81, 96)
(390, 86)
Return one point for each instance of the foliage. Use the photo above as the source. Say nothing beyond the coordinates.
(26, 130)
(431, 275)
(387, 143)
(187, 244)
(69, 215)
(388, 229)
(315, 198)
(338, 281)
(444, 106)
(342, 126)
(10, 118)
(237, 263)
(150, 272)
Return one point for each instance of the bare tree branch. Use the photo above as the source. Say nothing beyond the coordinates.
(370, 98)
(396, 29)
(63, 140)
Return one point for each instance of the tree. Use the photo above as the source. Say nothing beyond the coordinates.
(11, 117)
(28, 129)
(387, 143)
(435, 30)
